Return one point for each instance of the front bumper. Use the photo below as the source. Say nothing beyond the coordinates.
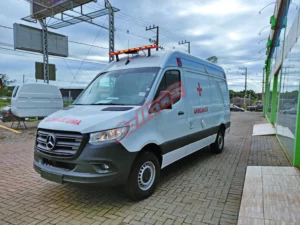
(87, 167)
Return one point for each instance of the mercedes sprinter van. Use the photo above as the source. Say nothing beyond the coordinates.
(139, 115)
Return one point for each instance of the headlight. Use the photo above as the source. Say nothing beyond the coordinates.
(108, 135)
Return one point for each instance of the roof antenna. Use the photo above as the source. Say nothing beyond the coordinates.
(128, 61)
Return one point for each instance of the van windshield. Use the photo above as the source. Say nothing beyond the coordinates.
(119, 87)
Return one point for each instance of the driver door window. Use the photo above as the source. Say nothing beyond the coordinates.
(170, 82)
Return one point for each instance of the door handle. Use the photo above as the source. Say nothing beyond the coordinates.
(180, 113)
(202, 123)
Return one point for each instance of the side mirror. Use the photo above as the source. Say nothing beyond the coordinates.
(164, 101)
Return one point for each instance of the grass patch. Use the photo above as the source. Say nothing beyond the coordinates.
(67, 103)
(31, 120)
(4, 103)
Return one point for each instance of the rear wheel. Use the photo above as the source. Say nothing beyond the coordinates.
(218, 145)
(143, 177)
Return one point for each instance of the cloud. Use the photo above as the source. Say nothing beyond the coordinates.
(234, 36)
(227, 29)
(216, 8)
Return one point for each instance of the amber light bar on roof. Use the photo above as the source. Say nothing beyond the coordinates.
(132, 50)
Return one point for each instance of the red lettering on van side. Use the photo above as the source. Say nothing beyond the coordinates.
(176, 91)
(64, 120)
(200, 110)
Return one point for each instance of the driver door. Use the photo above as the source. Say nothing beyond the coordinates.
(172, 124)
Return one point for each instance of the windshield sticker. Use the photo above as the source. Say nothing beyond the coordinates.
(64, 120)
(103, 101)
(112, 98)
(142, 94)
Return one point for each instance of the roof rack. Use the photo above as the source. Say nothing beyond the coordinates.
(133, 51)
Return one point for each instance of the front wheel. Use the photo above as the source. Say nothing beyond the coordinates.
(143, 177)
(218, 145)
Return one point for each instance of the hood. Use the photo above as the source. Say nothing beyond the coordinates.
(88, 118)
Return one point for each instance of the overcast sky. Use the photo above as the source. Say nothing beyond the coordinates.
(228, 29)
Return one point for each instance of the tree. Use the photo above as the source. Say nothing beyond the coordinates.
(6, 80)
(249, 93)
(213, 59)
(241, 94)
(4, 90)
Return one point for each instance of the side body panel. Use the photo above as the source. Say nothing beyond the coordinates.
(199, 109)
(205, 112)
(220, 103)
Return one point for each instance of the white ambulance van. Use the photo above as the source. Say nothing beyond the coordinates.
(142, 113)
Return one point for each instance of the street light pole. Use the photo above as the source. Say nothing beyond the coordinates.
(263, 85)
(246, 71)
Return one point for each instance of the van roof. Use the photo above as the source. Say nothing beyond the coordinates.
(162, 59)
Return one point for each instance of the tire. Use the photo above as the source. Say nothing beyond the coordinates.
(218, 145)
(139, 185)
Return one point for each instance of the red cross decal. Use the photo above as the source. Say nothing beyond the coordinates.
(199, 89)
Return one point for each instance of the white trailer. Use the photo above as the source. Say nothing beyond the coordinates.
(36, 100)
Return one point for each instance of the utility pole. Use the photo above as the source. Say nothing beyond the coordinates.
(186, 42)
(245, 73)
(45, 51)
(249, 99)
(23, 78)
(111, 18)
(157, 34)
(263, 85)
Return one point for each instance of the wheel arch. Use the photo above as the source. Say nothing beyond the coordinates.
(222, 128)
(155, 149)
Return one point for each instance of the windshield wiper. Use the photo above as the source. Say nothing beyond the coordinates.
(106, 104)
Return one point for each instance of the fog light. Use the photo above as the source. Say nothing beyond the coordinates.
(104, 166)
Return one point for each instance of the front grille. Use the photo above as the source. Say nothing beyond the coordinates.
(66, 143)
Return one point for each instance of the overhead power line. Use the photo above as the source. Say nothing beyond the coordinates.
(130, 33)
(79, 43)
(135, 20)
(6, 27)
(88, 52)
(55, 57)
(143, 23)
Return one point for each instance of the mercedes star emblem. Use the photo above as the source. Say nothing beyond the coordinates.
(50, 142)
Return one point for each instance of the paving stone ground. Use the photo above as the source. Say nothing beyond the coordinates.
(200, 189)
